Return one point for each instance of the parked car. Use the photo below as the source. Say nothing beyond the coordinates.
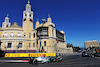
(85, 53)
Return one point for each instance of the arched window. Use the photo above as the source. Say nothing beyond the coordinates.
(29, 35)
(30, 15)
(25, 14)
(24, 34)
(6, 25)
(33, 35)
(31, 20)
(5, 34)
(24, 19)
(19, 34)
(11, 34)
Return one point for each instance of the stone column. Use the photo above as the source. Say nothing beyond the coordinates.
(12, 45)
(1, 45)
(51, 32)
(6, 44)
(23, 45)
(54, 32)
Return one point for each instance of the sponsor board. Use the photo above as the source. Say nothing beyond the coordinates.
(28, 54)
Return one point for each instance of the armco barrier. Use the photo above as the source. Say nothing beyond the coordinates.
(28, 54)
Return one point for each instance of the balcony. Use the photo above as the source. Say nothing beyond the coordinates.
(13, 37)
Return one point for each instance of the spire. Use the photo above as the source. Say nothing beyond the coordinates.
(37, 23)
(49, 18)
(49, 15)
(28, 2)
(28, 6)
(6, 23)
(7, 18)
(37, 19)
(7, 15)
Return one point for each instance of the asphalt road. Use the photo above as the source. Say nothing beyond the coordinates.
(68, 61)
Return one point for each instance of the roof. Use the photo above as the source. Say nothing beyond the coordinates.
(15, 25)
(91, 41)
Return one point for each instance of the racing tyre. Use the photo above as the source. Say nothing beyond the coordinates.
(92, 55)
(35, 62)
(57, 60)
(30, 61)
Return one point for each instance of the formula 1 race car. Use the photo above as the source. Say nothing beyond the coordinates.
(56, 59)
(43, 60)
(40, 59)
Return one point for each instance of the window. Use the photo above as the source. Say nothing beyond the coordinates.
(19, 34)
(11, 34)
(33, 35)
(5, 34)
(24, 19)
(42, 31)
(6, 25)
(24, 34)
(30, 15)
(29, 45)
(9, 45)
(20, 45)
(33, 44)
(44, 43)
(29, 36)
(52, 32)
(31, 20)
(25, 14)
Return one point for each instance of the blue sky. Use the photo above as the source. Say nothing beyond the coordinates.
(80, 19)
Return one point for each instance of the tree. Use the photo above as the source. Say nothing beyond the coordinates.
(69, 45)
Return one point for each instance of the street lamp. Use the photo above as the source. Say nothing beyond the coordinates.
(43, 20)
(39, 38)
(17, 48)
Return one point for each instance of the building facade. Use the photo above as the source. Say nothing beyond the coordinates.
(92, 43)
(45, 37)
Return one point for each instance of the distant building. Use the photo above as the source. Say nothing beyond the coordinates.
(92, 43)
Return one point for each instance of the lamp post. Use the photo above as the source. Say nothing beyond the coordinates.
(39, 37)
(17, 48)
(5, 49)
(44, 21)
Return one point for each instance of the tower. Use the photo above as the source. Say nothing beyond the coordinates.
(37, 23)
(28, 18)
(6, 23)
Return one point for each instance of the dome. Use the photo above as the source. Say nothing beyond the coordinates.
(15, 25)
